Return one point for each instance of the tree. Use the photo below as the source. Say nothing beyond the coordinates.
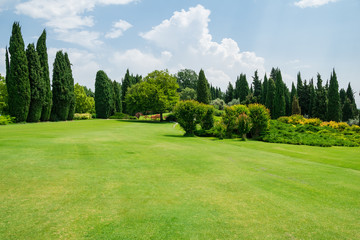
(295, 109)
(70, 86)
(103, 95)
(257, 86)
(188, 94)
(61, 89)
(300, 92)
(334, 99)
(3, 97)
(36, 84)
(83, 103)
(350, 95)
(187, 78)
(117, 97)
(243, 88)
(18, 84)
(156, 93)
(279, 100)
(271, 91)
(124, 88)
(264, 90)
(41, 49)
(347, 111)
(229, 95)
(202, 90)
(292, 93)
(321, 101)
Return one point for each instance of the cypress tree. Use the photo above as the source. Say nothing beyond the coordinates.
(295, 106)
(271, 91)
(124, 87)
(347, 111)
(279, 101)
(7, 63)
(117, 97)
(321, 101)
(237, 88)
(229, 95)
(257, 86)
(350, 95)
(300, 92)
(312, 94)
(41, 49)
(70, 87)
(36, 84)
(203, 92)
(103, 95)
(18, 84)
(264, 90)
(293, 92)
(288, 105)
(243, 88)
(60, 107)
(334, 99)
(342, 95)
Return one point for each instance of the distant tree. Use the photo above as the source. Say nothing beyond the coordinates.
(203, 91)
(334, 99)
(36, 84)
(187, 78)
(257, 86)
(117, 97)
(243, 87)
(264, 90)
(3, 97)
(70, 86)
(270, 98)
(124, 87)
(229, 95)
(292, 93)
(288, 106)
(347, 111)
(312, 94)
(41, 49)
(350, 94)
(301, 93)
(84, 103)
(342, 95)
(18, 84)
(279, 100)
(321, 101)
(89, 92)
(188, 94)
(218, 103)
(103, 95)
(295, 109)
(157, 93)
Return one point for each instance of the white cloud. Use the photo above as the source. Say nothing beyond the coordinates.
(84, 38)
(312, 3)
(118, 29)
(186, 35)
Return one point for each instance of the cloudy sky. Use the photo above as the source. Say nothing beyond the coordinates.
(225, 38)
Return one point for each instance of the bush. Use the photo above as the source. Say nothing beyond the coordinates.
(171, 118)
(218, 104)
(219, 130)
(233, 102)
(188, 114)
(138, 115)
(218, 113)
(244, 124)
(230, 117)
(207, 118)
(6, 119)
(82, 116)
(260, 117)
(118, 115)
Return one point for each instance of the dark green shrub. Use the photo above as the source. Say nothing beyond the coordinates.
(260, 117)
(230, 118)
(207, 119)
(6, 119)
(219, 130)
(244, 124)
(188, 114)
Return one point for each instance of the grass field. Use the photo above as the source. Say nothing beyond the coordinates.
(109, 179)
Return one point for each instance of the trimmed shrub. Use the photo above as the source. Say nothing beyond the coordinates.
(260, 117)
(244, 125)
(207, 120)
(188, 114)
(219, 130)
(230, 118)
(82, 116)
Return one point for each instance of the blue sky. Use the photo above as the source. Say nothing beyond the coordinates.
(225, 38)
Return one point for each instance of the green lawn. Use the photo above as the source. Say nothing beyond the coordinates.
(109, 179)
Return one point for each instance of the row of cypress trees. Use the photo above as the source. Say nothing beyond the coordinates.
(28, 81)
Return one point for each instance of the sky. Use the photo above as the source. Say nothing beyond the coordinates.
(225, 38)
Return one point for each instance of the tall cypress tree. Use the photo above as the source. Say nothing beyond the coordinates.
(70, 87)
(271, 92)
(124, 87)
(7, 63)
(257, 86)
(18, 84)
(103, 95)
(279, 101)
(117, 97)
(264, 90)
(41, 49)
(293, 92)
(244, 88)
(300, 92)
(203, 92)
(312, 94)
(334, 99)
(229, 95)
(321, 101)
(36, 84)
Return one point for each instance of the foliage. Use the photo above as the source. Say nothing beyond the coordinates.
(230, 118)
(104, 104)
(257, 85)
(260, 117)
(219, 130)
(334, 99)
(188, 114)
(41, 49)
(84, 103)
(156, 93)
(188, 94)
(244, 125)
(203, 91)
(18, 84)
(37, 86)
(270, 97)
(117, 97)
(4, 108)
(82, 116)
(241, 88)
(218, 103)
(229, 94)
(233, 102)
(187, 78)
(126, 84)
(295, 108)
(171, 118)
(279, 100)
(70, 85)
(6, 119)
(207, 119)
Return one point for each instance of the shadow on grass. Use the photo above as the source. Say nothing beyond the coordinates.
(142, 121)
(176, 136)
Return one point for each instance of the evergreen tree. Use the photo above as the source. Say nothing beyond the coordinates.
(18, 84)
(103, 95)
(312, 94)
(342, 94)
(237, 88)
(41, 49)
(288, 106)
(300, 93)
(203, 92)
(229, 95)
(347, 111)
(334, 99)
(36, 84)
(305, 96)
(295, 106)
(243, 88)
(7, 63)
(321, 101)
(70, 86)
(350, 95)
(257, 86)
(293, 92)
(117, 97)
(279, 101)
(271, 92)
(264, 90)
(124, 87)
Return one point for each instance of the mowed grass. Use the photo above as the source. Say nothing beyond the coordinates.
(109, 179)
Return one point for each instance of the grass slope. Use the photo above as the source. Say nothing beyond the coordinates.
(109, 179)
